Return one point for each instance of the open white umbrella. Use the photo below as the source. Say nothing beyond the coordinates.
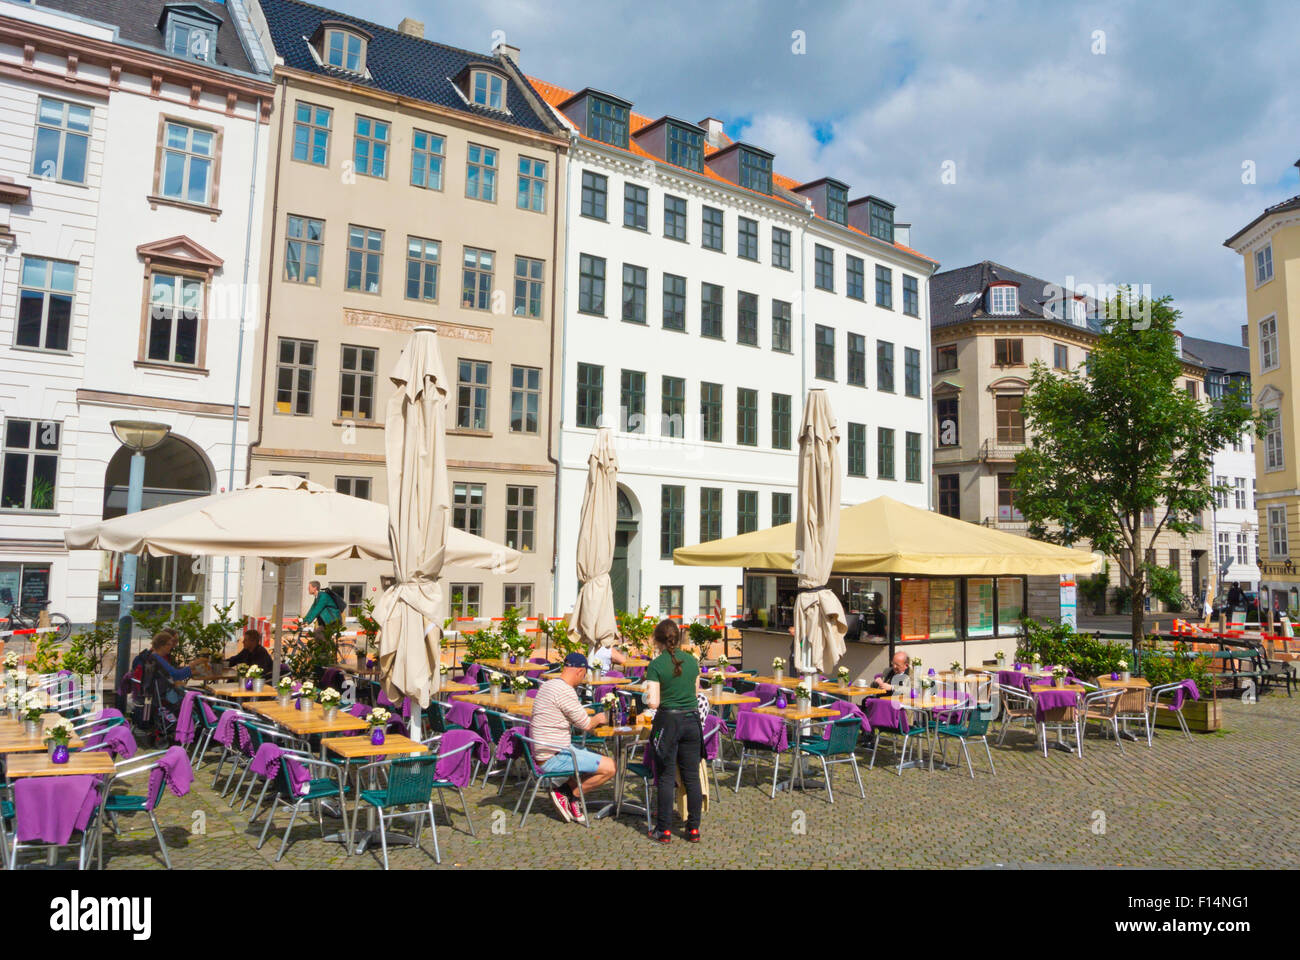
(819, 621)
(418, 520)
(593, 611)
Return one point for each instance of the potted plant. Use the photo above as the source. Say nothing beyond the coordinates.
(803, 695)
(594, 667)
(1124, 674)
(284, 690)
(1001, 658)
(329, 698)
(956, 668)
(32, 708)
(494, 684)
(722, 664)
(12, 697)
(241, 672)
(778, 669)
(520, 686)
(916, 670)
(1058, 676)
(716, 680)
(57, 736)
(609, 703)
(255, 678)
(376, 720)
(306, 694)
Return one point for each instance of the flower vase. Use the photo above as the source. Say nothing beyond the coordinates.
(521, 697)
(32, 727)
(248, 684)
(495, 688)
(305, 704)
(331, 713)
(283, 699)
(804, 704)
(1125, 676)
(377, 737)
(258, 685)
(1058, 681)
(58, 753)
(778, 674)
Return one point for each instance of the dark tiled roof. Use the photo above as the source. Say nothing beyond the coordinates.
(950, 288)
(1227, 357)
(1285, 205)
(399, 64)
(137, 22)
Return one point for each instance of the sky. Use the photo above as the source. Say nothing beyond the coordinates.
(1117, 142)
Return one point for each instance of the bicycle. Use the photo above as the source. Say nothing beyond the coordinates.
(15, 619)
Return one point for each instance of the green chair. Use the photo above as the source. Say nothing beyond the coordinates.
(411, 781)
(839, 747)
(974, 726)
(317, 789)
(126, 803)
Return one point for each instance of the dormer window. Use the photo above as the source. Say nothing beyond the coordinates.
(686, 147)
(837, 204)
(190, 32)
(1078, 312)
(755, 170)
(881, 221)
(607, 121)
(487, 89)
(345, 50)
(1004, 300)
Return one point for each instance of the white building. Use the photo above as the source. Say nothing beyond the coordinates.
(704, 296)
(130, 154)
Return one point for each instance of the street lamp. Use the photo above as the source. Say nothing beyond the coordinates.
(138, 436)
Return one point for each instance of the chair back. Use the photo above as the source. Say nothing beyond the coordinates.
(844, 735)
(410, 779)
(977, 722)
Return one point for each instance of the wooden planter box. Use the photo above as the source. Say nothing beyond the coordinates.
(1201, 715)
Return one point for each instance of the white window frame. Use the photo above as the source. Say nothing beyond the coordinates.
(346, 36)
(1278, 547)
(1274, 452)
(1004, 299)
(489, 78)
(1264, 264)
(1269, 357)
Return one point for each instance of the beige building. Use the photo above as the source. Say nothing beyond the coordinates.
(411, 183)
(989, 324)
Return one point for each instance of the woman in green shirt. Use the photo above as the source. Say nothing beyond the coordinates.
(672, 681)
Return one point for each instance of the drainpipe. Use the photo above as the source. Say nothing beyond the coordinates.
(803, 311)
(564, 368)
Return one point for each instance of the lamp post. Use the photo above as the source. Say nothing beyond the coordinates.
(139, 437)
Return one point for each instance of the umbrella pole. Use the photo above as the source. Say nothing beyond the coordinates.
(280, 567)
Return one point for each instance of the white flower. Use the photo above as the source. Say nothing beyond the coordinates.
(916, 661)
(329, 695)
(285, 685)
(307, 688)
(11, 660)
(255, 673)
(378, 717)
(1000, 655)
(778, 663)
(1036, 658)
(1122, 664)
(608, 699)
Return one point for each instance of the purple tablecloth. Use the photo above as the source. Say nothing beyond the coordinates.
(48, 809)
(1046, 698)
(761, 730)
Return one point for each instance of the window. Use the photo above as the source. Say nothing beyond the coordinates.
(636, 207)
(186, 171)
(671, 510)
(1268, 352)
(632, 401)
(710, 514)
(487, 89)
(945, 358)
(674, 302)
(837, 204)
(710, 600)
(1278, 548)
(1008, 353)
(1225, 548)
(857, 360)
(365, 257)
(1192, 389)
(1007, 509)
(755, 170)
(857, 450)
(686, 147)
(634, 283)
(824, 356)
(520, 597)
(525, 398)
(357, 383)
(353, 486)
(912, 457)
(780, 421)
(481, 173)
(1243, 549)
(911, 372)
(303, 246)
(1010, 418)
(591, 394)
(62, 141)
(670, 601)
(746, 417)
(1264, 264)
(45, 296)
(471, 395)
(428, 151)
(1078, 312)
(672, 407)
(528, 286)
(1274, 458)
(746, 511)
(467, 508)
(607, 121)
(351, 594)
(175, 303)
(950, 495)
(674, 218)
(344, 50)
(856, 284)
(781, 326)
(591, 284)
(294, 372)
(747, 318)
(948, 423)
(30, 471)
(422, 269)
(711, 228)
(595, 190)
(824, 269)
(746, 238)
(532, 185)
(781, 248)
(711, 412)
(1003, 299)
(1149, 517)
(781, 509)
(466, 600)
(711, 311)
(521, 518)
(188, 38)
(884, 288)
(1060, 356)
(370, 149)
(911, 297)
(885, 453)
(311, 133)
(884, 366)
(476, 279)
(1239, 492)
(881, 221)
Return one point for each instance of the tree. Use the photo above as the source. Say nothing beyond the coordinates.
(1122, 436)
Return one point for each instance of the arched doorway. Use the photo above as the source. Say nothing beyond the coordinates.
(625, 573)
(177, 470)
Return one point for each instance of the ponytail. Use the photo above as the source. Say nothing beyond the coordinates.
(668, 636)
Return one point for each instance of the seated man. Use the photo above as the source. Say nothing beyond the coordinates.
(896, 675)
(556, 709)
(253, 653)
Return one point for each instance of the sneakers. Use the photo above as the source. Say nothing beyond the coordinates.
(562, 804)
(661, 836)
(575, 810)
(693, 835)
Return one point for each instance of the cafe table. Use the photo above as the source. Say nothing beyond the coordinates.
(1036, 688)
(14, 737)
(632, 662)
(237, 691)
(305, 723)
(360, 748)
(624, 740)
(504, 701)
(786, 681)
(796, 718)
(918, 705)
(448, 687)
(1133, 685)
(522, 666)
(840, 690)
(97, 762)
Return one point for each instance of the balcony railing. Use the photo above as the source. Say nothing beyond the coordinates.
(1020, 527)
(1000, 450)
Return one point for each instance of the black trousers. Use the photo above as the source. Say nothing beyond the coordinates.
(676, 740)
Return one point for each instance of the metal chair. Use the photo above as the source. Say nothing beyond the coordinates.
(440, 785)
(410, 783)
(536, 775)
(85, 844)
(317, 789)
(1177, 693)
(974, 726)
(913, 730)
(126, 803)
(1103, 707)
(758, 748)
(1017, 705)
(1060, 719)
(1133, 707)
(838, 748)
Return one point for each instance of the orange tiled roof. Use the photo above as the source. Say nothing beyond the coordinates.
(555, 95)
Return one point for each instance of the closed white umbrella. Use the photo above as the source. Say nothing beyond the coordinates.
(593, 611)
(819, 621)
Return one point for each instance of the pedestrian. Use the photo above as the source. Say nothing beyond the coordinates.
(671, 684)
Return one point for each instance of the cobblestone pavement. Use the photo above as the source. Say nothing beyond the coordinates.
(1230, 799)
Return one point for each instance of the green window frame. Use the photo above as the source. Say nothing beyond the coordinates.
(591, 395)
(710, 514)
(634, 294)
(912, 457)
(607, 121)
(781, 509)
(672, 509)
(746, 417)
(711, 221)
(711, 311)
(632, 401)
(674, 309)
(911, 296)
(591, 285)
(824, 268)
(747, 238)
(685, 147)
(672, 407)
(595, 195)
(755, 171)
(855, 284)
(674, 218)
(911, 372)
(857, 348)
(747, 318)
(781, 420)
(781, 326)
(885, 453)
(884, 366)
(636, 207)
(824, 353)
(884, 287)
(857, 447)
(711, 412)
(781, 248)
(746, 511)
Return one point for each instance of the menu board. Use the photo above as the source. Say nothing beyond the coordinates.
(914, 597)
(36, 588)
(979, 608)
(943, 609)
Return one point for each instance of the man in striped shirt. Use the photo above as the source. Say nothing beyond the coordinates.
(556, 710)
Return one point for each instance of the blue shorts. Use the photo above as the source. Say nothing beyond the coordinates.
(588, 762)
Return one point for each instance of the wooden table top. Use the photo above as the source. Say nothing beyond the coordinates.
(794, 713)
(1133, 683)
(642, 726)
(311, 722)
(502, 700)
(1067, 688)
(20, 742)
(723, 699)
(454, 686)
(842, 691)
(947, 676)
(95, 762)
(634, 662)
(925, 702)
(505, 666)
(237, 691)
(786, 681)
(353, 748)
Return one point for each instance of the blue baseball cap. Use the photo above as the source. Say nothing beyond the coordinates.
(575, 660)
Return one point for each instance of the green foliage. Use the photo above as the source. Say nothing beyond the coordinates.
(366, 618)
(1160, 662)
(42, 493)
(636, 628)
(483, 645)
(1059, 643)
(87, 651)
(1093, 589)
(194, 638)
(1165, 584)
(47, 656)
(702, 635)
(513, 639)
(557, 633)
(315, 652)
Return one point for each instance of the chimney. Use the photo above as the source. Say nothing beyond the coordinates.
(712, 131)
(507, 51)
(412, 28)
(1245, 335)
